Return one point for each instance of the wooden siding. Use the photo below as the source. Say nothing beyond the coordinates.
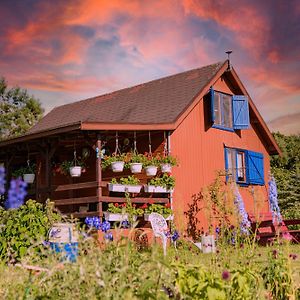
(200, 150)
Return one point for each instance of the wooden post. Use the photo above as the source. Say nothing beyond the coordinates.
(99, 174)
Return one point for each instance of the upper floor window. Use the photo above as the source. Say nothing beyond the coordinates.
(244, 166)
(229, 112)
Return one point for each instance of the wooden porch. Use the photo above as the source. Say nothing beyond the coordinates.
(87, 195)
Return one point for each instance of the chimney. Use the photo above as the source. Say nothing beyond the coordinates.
(228, 58)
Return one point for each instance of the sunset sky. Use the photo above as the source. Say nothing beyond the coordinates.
(64, 51)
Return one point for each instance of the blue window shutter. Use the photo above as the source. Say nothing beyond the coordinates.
(226, 163)
(255, 168)
(212, 96)
(240, 110)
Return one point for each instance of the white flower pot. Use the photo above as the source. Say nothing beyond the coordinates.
(112, 187)
(29, 178)
(208, 244)
(136, 167)
(156, 189)
(169, 218)
(151, 170)
(75, 171)
(117, 166)
(166, 168)
(117, 217)
(63, 233)
(133, 188)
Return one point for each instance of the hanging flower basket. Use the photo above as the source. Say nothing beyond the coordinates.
(117, 166)
(151, 170)
(156, 189)
(166, 168)
(75, 171)
(29, 178)
(136, 167)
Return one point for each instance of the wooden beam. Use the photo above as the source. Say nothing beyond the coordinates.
(86, 214)
(75, 186)
(99, 174)
(134, 200)
(82, 200)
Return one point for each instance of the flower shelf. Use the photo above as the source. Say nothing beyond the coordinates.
(117, 217)
(156, 189)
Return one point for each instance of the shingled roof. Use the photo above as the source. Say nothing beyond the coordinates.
(160, 101)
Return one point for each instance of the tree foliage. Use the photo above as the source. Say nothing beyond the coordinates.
(18, 111)
(286, 170)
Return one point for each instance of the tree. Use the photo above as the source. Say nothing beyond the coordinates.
(18, 111)
(286, 170)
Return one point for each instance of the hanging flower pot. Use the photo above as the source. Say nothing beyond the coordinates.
(75, 171)
(166, 168)
(151, 170)
(29, 178)
(117, 166)
(136, 167)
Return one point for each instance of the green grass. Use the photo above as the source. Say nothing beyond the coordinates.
(121, 271)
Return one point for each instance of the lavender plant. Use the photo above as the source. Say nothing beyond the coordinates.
(2, 180)
(16, 194)
(239, 203)
(273, 200)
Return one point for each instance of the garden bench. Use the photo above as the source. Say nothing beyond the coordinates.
(266, 231)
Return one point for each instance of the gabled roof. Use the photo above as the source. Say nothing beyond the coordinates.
(160, 104)
(160, 101)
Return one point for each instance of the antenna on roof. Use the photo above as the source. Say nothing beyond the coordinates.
(228, 57)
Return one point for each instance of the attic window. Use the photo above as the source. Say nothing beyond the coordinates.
(229, 112)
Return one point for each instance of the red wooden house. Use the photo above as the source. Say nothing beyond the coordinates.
(205, 116)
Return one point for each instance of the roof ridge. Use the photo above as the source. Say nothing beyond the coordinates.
(140, 84)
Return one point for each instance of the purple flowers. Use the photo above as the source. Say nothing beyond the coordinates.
(273, 201)
(2, 180)
(244, 220)
(16, 194)
(225, 275)
(173, 236)
(96, 223)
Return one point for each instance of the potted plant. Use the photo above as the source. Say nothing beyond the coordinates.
(167, 162)
(150, 164)
(124, 211)
(136, 162)
(69, 168)
(114, 186)
(164, 210)
(115, 162)
(163, 184)
(27, 173)
(128, 184)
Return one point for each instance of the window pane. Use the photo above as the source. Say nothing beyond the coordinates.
(217, 109)
(231, 164)
(227, 111)
(241, 166)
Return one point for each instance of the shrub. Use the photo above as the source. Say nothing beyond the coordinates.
(23, 227)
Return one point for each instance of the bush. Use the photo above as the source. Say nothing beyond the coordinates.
(23, 227)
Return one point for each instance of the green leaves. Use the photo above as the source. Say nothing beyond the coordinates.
(23, 227)
(18, 111)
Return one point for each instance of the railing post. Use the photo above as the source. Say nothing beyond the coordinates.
(99, 174)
